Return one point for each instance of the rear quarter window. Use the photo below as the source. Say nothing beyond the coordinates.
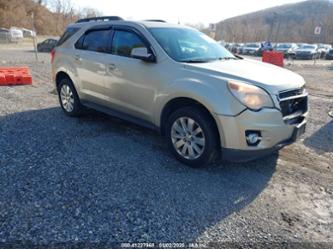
(68, 34)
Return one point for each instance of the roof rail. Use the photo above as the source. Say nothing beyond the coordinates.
(100, 18)
(154, 20)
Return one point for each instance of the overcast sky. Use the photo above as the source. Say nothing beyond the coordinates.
(186, 11)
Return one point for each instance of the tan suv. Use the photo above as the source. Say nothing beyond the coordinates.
(174, 79)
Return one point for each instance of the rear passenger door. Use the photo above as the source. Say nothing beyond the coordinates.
(90, 61)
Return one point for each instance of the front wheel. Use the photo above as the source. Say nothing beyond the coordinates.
(192, 136)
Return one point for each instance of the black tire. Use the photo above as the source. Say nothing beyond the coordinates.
(208, 126)
(77, 107)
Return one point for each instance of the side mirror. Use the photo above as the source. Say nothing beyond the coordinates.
(142, 54)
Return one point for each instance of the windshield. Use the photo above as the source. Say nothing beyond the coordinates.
(188, 45)
(284, 46)
(253, 45)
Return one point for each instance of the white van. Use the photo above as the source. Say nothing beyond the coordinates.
(15, 35)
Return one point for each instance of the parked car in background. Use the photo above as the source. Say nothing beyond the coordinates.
(274, 44)
(28, 33)
(228, 46)
(47, 45)
(329, 55)
(323, 49)
(288, 49)
(236, 48)
(182, 83)
(308, 52)
(251, 49)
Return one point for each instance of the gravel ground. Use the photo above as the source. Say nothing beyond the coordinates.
(99, 180)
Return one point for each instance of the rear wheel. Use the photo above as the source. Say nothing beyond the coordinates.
(192, 136)
(68, 98)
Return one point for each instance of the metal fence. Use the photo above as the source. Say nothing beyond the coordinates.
(4, 37)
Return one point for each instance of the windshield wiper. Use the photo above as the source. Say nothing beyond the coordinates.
(226, 58)
(209, 59)
(194, 61)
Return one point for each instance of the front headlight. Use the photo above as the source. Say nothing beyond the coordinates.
(251, 96)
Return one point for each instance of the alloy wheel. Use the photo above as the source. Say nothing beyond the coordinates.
(67, 98)
(188, 138)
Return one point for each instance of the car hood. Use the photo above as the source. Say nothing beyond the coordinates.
(272, 78)
(250, 48)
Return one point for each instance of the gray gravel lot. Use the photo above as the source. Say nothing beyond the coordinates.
(97, 179)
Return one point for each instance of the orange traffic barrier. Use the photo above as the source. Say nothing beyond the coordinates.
(2, 79)
(15, 76)
(273, 57)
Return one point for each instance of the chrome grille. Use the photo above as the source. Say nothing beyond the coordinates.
(291, 93)
(293, 104)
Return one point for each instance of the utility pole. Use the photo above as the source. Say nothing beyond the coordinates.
(278, 28)
(327, 21)
(272, 21)
(34, 36)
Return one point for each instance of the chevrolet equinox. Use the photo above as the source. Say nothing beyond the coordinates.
(206, 101)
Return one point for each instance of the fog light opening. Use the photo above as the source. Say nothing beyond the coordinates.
(253, 138)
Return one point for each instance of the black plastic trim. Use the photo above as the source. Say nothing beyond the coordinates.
(120, 115)
(100, 18)
(154, 20)
(98, 28)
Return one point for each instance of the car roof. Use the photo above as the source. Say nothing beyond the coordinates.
(146, 24)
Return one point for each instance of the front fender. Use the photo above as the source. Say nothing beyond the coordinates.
(215, 96)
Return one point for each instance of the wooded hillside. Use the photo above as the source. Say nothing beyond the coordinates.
(286, 23)
(18, 13)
